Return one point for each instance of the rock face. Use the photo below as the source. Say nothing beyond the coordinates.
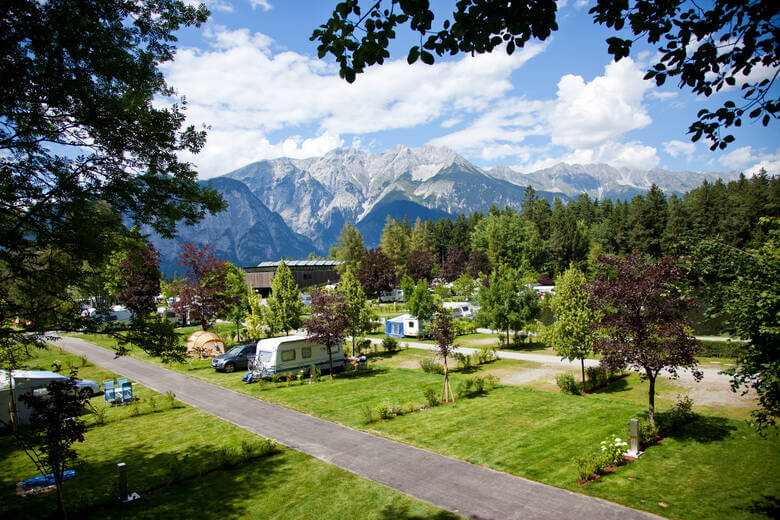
(291, 207)
(244, 234)
(316, 196)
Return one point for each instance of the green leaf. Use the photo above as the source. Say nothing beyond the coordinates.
(427, 57)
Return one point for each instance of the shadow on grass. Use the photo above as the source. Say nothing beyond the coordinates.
(703, 429)
(522, 347)
(362, 373)
(149, 472)
(766, 505)
(617, 386)
(402, 513)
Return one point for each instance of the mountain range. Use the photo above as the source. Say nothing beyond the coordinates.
(290, 207)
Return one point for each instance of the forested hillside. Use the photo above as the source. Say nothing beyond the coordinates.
(544, 238)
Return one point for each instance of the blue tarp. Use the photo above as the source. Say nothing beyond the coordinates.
(47, 480)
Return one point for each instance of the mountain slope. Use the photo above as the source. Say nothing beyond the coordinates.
(244, 234)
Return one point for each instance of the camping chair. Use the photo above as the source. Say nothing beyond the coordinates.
(127, 391)
(109, 392)
(119, 396)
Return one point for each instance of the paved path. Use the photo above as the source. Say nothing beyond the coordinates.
(711, 375)
(457, 486)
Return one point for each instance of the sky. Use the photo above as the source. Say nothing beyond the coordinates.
(252, 76)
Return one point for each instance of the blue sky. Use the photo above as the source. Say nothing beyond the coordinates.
(252, 75)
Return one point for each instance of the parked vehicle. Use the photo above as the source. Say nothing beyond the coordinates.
(404, 325)
(396, 295)
(459, 309)
(234, 359)
(292, 354)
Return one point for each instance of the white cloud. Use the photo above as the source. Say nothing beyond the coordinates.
(265, 5)
(679, 149)
(245, 90)
(589, 114)
(663, 96)
(213, 5)
(629, 155)
(750, 161)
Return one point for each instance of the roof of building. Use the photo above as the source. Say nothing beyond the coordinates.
(303, 263)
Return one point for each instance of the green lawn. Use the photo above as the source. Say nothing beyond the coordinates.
(714, 468)
(186, 464)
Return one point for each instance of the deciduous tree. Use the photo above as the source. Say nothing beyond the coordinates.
(506, 303)
(572, 334)
(236, 296)
(644, 321)
(202, 295)
(419, 265)
(55, 425)
(421, 303)
(90, 137)
(376, 272)
(360, 315)
(443, 333)
(328, 321)
(742, 288)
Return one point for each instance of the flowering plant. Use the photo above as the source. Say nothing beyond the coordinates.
(612, 450)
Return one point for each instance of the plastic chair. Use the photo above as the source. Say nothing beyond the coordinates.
(127, 392)
(109, 392)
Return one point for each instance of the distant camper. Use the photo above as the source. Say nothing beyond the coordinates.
(459, 309)
(292, 354)
(402, 326)
(396, 295)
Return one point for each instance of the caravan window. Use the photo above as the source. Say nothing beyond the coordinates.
(411, 324)
(306, 352)
(288, 355)
(265, 356)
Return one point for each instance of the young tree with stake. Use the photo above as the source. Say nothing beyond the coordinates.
(443, 333)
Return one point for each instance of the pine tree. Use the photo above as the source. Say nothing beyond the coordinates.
(349, 248)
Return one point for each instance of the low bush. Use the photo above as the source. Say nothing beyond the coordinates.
(612, 451)
(464, 361)
(367, 413)
(721, 349)
(476, 385)
(486, 354)
(647, 434)
(567, 384)
(464, 388)
(390, 345)
(596, 377)
(586, 465)
(384, 410)
(430, 366)
(430, 397)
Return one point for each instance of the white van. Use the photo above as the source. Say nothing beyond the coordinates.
(292, 354)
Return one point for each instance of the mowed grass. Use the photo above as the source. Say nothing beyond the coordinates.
(176, 460)
(714, 467)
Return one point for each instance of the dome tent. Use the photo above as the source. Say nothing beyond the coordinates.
(203, 344)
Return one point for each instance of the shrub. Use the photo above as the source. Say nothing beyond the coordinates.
(485, 354)
(384, 410)
(390, 345)
(288, 378)
(612, 451)
(367, 413)
(99, 412)
(596, 377)
(430, 366)
(586, 465)
(135, 407)
(464, 362)
(314, 374)
(464, 388)
(430, 397)
(363, 346)
(171, 397)
(490, 382)
(275, 377)
(680, 414)
(567, 384)
(152, 403)
(409, 407)
(647, 433)
(83, 361)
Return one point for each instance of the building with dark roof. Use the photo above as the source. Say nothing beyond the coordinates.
(306, 273)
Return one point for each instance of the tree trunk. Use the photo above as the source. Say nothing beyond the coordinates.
(60, 500)
(507, 337)
(330, 359)
(651, 398)
(582, 366)
(446, 391)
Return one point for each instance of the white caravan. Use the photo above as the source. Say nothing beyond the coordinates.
(293, 354)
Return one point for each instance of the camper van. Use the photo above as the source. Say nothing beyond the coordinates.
(292, 354)
(459, 309)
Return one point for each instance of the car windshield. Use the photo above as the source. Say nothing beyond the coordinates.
(235, 351)
(265, 356)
